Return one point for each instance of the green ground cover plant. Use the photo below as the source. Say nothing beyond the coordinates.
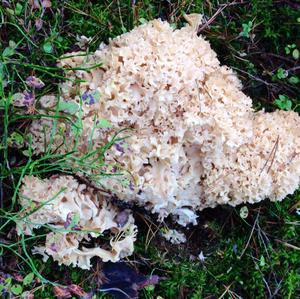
(251, 251)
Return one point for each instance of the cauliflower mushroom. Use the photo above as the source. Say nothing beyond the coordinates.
(75, 213)
(196, 141)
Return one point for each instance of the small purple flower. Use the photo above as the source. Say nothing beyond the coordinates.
(4, 276)
(46, 3)
(88, 98)
(68, 220)
(131, 186)
(38, 24)
(18, 277)
(29, 98)
(76, 227)
(53, 247)
(34, 82)
(34, 4)
(120, 146)
(69, 223)
(6, 4)
(4, 292)
(122, 218)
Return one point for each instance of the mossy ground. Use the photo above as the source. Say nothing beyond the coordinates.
(253, 257)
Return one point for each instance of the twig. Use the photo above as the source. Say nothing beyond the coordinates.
(272, 154)
(293, 69)
(253, 77)
(251, 234)
(277, 288)
(263, 236)
(150, 233)
(288, 244)
(263, 278)
(275, 55)
(120, 14)
(220, 9)
(226, 291)
(275, 150)
(198, 92)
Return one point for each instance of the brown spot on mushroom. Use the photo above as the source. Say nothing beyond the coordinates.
(173, 140)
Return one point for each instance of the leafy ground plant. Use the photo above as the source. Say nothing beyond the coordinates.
(247, 252)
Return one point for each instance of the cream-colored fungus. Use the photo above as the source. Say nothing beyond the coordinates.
(75, 214)
(196, 141)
